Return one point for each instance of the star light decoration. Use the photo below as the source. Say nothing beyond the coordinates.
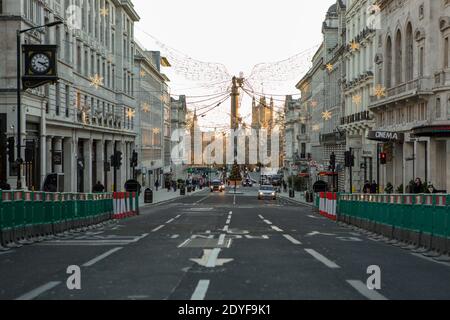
(354, 46)
(314, 103)
(357, 99)
(316, 127)
(104, 12)
(380, 91)
(145, 107)
(156, 130)
(96, 81)
(329, 67)
(142, 73)
(326, 115)
(130, 113)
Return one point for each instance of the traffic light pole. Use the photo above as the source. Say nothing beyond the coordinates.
(351, 170)
(115, 169)
(378, 167)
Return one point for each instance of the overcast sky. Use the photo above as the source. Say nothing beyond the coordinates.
(236, 33)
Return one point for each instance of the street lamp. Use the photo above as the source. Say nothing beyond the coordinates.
(18, 90)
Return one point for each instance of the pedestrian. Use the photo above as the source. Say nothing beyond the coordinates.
(417, 186)
(156, 184)
(374, 187)
(98, 188)
(4, 185)
(431, 189)
(366, 188)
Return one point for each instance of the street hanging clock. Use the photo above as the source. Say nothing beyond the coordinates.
(40, 65)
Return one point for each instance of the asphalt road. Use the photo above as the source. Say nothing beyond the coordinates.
(221, 246)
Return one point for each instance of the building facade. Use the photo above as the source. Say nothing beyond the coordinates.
(74, 126)
(358, 87)
(413, 115)
(179, 126)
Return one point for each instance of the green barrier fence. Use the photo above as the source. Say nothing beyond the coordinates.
(425, 214)
(25, 215)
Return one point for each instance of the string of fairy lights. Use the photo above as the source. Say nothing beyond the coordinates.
(214, 78)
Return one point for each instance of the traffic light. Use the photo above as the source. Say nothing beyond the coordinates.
(10, 149)
(333, 161)
(383, 158)
(113, 161)
(134, 159)
(349, 159)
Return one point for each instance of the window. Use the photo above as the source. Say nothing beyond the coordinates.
(67, 100)
(446, 52)
(1, 6)
(398, 58)
(388, 62)
(409, 53)
(57, 98)
(438, 108)
(67, 47)
(421, 61)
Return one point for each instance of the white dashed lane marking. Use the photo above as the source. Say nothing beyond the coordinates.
(321, 258)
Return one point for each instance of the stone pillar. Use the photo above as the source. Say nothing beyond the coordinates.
(58, 147)
(420, 161)
(100, 161)
(70, 166)
(87, 166)
(49, 150)
(109, 176)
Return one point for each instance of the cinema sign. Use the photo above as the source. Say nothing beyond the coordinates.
(386, 136)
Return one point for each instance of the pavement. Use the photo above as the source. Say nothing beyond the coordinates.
(162, 195)
(221, 246)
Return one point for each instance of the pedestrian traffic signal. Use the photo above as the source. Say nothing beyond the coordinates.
(10, 149)
(119, 159)
(383, 158)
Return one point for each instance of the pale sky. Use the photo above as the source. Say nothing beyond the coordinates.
(236, 33)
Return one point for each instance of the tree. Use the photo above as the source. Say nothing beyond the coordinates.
(235, 172)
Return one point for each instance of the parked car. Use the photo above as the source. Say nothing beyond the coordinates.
(217, 186)
(267, 192)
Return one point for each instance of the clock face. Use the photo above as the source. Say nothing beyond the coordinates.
(40, 63)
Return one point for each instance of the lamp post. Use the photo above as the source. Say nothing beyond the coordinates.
(18, 91)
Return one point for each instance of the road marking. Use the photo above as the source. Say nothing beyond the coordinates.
(315, 233)
(322, 259)
(201, 200)
(230, 213)
(170, 221)
(221, 240)
(234, 200)
(212, 259)
(178, 216)
(175, 236)
(159, 228)
(225, 229)
(101, 257)
(184, 242)
(291, 239)
(38, 291)
(260, 216)
(366, 292)
(268, 222)
(228, 221)
(277, 229)
(200, 290)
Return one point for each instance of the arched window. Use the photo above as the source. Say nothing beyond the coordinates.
(398, 58)
(409, 53)
(388, 62)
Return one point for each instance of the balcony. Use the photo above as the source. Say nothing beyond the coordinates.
(403, 91)
(356, 117)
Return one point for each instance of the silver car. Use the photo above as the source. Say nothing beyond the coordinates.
(267, 192)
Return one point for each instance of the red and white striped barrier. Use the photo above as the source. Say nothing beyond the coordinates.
(328, 204)
(124, 205)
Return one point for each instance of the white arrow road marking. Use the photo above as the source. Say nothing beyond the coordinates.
(366, 292)
(210, 259)
(200, 290)
(294, 241)
(321, 258)
(101, 257)
(38, 291)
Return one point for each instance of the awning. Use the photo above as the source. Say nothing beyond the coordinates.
(432, 131)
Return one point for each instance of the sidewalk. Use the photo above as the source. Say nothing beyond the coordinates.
(299, 198)
(162, 195)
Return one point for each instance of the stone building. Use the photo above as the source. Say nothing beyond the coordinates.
(74, 126)
(358, 87)
(413, 114)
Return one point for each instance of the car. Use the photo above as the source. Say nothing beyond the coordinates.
(247, 183)
(217, 186)
(267, 191)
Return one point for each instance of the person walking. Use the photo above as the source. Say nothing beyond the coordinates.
(374, 187)
(417, 186)
(366, 187)
(157, 184)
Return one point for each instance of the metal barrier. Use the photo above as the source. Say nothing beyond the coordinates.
(27, 217)
(413, 221)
